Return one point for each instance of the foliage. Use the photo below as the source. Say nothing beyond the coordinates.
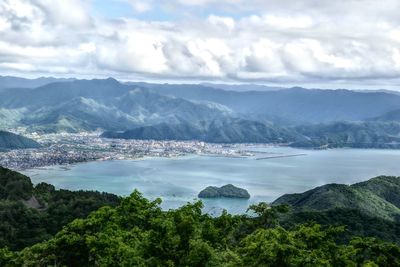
(138, 233)
(14, 186)
(378, 197)
(64, 228)
(22, 225)
(356, 222)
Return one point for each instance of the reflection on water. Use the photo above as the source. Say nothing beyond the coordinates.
(178, 181)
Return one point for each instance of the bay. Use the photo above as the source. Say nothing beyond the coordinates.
(178, 180)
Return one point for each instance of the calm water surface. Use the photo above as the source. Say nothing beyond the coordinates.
(179, 180)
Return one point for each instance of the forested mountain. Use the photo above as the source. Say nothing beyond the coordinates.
(370, 134)
(297, 105)
(84, 105)
(378, 197)
(60, 92)
(134, 231)
(393, 115)
(333, 135)
(31, 214)
(369, 208)
(13, 141)
(217, 131)
(300, 117)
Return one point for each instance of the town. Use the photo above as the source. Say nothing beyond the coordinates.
(69, 148)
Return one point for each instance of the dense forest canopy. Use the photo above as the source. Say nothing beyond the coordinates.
(138, 233)
(31, 214)
(42, 226)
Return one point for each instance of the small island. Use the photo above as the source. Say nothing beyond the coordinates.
(228, 190)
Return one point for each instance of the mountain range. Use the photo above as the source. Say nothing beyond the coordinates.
(7, 82)
(298, 116)
(296, 105)
(98, 104)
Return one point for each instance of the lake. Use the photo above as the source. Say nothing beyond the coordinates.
(179, 180)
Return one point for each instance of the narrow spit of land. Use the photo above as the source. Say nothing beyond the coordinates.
(281, 156)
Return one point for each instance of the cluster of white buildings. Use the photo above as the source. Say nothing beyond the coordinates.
(65, 148)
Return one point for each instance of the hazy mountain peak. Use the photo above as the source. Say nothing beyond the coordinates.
(10, 140)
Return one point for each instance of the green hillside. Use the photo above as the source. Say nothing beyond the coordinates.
(379, 197)
(87, 105)
(37, 228)
(13, 141)
(138, 233)
(227, 130)
(393, 115)
(371, 134)
(31, 214)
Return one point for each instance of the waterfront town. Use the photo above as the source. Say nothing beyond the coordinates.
(69, 148)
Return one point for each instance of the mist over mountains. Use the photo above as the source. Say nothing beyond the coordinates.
(7, 82)
(297, 105)
(302, 117)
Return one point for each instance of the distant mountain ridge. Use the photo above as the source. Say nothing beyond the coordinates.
(84, 105)
(243, 87)
(11, 82)
(301, 117)
(369, 134)
(296, 104)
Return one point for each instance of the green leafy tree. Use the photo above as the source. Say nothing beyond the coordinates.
(267, 215)
(138, 233)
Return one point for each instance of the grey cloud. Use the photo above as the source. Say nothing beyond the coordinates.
(302, 42)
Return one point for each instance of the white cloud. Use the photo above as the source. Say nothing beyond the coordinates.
(226, 22)
(396, 57)
(140, 5)
(271, 41)
(17, 66)
(283, 21)
(263, 57)
(71, 13)
(196, 2)
(135, 53)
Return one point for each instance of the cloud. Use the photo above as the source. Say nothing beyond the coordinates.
(226, 23)
(285, 42)
(138, 52)
(71, 13)
(140, 6)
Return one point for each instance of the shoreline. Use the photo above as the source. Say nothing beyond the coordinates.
(238, 147)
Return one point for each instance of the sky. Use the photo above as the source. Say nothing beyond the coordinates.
(310, 43)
